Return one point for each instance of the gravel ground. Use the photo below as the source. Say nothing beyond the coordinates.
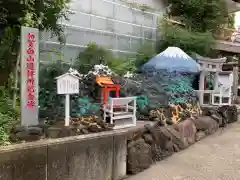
(216, 157)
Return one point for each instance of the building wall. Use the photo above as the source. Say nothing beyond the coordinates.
(110, 23)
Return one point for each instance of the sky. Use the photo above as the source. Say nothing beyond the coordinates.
(237, 19)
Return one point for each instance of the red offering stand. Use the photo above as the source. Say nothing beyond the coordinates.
(107, 86)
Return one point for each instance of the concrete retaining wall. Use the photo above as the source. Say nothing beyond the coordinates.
(113, 24)
(100, 156)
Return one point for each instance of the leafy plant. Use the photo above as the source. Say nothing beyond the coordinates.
(51, 104)
(200, 15)
(145, 52)
(8, 116)
(231, 21)
(16, 13)
(189, 41)
(93, 54)
(122, 65)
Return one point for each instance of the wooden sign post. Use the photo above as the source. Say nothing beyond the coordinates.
(67, 84)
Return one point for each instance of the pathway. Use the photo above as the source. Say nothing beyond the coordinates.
(216, 157)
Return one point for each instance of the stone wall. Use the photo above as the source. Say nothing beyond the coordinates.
(156, 142)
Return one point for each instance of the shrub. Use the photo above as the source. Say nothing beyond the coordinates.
(95, 54)
(92, 55)
(201, 15)
(146, 52)
(8, 116)
(189, 41)
(51, 104)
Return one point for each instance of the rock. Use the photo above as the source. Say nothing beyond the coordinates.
(139, 156)
(24, 136)
(232, 114)
(148, 138)
(170, 147)
(165, 132)
(18, 128)
(85, 131)
(206, 124)
(74, 132)
(176, 148)
(35, 131)
(157, 153)
(176, 138)
(64, 132)
(161, 136)
(217, 118)
(187, 130)
(53, 132)
(26, 133)
(200, 135)
(94, 128)
(81, 126)
(44, 126)
(100, 123)
(13, 137)
(208, 110)
(76, 124)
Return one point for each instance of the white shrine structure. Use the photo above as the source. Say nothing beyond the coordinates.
(221, 94)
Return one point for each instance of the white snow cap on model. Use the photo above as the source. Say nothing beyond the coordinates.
(175, 52)
(172, 59)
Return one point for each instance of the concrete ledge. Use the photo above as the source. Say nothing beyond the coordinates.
(97, 156)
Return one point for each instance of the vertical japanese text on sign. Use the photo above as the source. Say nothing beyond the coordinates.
(30, 70)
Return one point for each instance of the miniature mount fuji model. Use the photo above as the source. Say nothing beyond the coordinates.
(172, 59)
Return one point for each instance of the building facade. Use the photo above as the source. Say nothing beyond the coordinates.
(119, 25)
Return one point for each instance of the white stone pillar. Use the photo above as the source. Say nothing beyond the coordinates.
(235, 82)
(201, 86)
(216, 80)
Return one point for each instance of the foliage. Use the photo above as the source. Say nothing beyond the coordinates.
(39, 14)
(122, 65)
(189, 41)
(92, 55)
(231, 21)
(85, 107)
(16, 13)
(201, 15)
(95, 54)
(8, 116)
(145, 52)
(201, 20)
(50, 103)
